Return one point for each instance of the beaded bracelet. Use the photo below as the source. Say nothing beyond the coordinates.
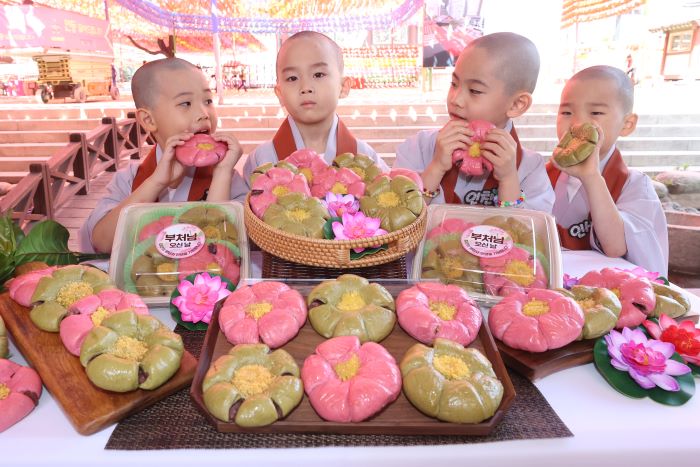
(431, 194)
(509, 204)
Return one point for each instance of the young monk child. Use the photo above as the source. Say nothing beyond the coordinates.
(600, 203)
(309, 83)
(173, 102)
(493, 80)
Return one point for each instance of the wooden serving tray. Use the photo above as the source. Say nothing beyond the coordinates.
(398, 418)
(89, 408)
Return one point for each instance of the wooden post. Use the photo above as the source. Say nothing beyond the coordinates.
(81, 168)
(43, 204)
(111, 145)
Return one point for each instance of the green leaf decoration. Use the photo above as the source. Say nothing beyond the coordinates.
(328, 233)
(694, 369)
(46, 242)
(623, 382)
(175, 312)
(367, 251)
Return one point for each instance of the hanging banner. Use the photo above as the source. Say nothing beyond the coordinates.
(28, 26)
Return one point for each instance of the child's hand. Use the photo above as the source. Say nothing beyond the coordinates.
(500, 149)
(591, 166)
(233, 153)
(454, 135)
(169, 171)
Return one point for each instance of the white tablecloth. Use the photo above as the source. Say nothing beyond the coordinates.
(609, 429)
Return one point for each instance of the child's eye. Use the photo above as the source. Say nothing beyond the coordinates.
(453, 84)
(475, 91)
(209, 101)
(319, 74)
(597, 113)
(185, 104)
(565, 112)
(291, 78)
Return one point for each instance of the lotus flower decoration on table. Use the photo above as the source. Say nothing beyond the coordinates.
(684, 336)
(200, 151)
(338, 205)
(192, 303)
(356, 226)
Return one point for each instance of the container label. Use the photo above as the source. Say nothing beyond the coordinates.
(486, 241)
(180, 240)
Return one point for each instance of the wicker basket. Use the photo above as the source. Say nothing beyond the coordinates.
(332, 253)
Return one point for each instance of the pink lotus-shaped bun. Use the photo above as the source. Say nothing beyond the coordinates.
(346, 382)
(453, 226)
(214, 257)
(429, 310)
(153, 228)
(408, 173)
(516, 271)
(341, 181)
(471, 160)
(89, 312)
(309, 163)
(268, 312)
(635, 293)
(275, 182)
(200, 151)
(537, 321)
(22, 287)
(20, 389)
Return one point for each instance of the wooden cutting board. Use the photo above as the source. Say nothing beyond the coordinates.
(89, 408)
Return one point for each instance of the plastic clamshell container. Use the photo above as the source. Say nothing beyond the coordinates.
(132, 242)
(489, 251)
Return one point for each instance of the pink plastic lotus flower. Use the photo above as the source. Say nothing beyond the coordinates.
(471, 160)
(541, 320)
(408, 173)
(213, 257)
(275, 182)
(635, 293)
(196, 301)
(357, 226)
(339, 181)
(89, 312)
(22, 287)
(270, 312)
(429, 310)
(20, 389)
(516, 271)
(647, 361)
(310, 164)
(570, 281)
(153, 228)
(200, 151)
(338, 205)
(684, 336)
(346, 382)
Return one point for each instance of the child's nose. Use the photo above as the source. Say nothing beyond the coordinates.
(306, 87)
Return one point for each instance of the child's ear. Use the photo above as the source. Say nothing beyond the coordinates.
(630, 124)
(345, 87)
(146, 120)
(278, 93)
(521, 102)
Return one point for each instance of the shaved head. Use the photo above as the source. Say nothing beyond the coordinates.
(330, 44)
(517, 62)
(144, 83)
(624, 88)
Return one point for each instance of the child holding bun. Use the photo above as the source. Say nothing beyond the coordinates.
(600, 203)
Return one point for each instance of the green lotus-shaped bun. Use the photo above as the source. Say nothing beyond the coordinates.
(396, 201)
(65, 286)
(351, 306)
(669, 302)
(362, 165)
(261, 169)
(252, 386)
(129, 351)
(213, 221)
(297, 214)
(576, 145)
(601, 309)
(450, 383)
(445, 259)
